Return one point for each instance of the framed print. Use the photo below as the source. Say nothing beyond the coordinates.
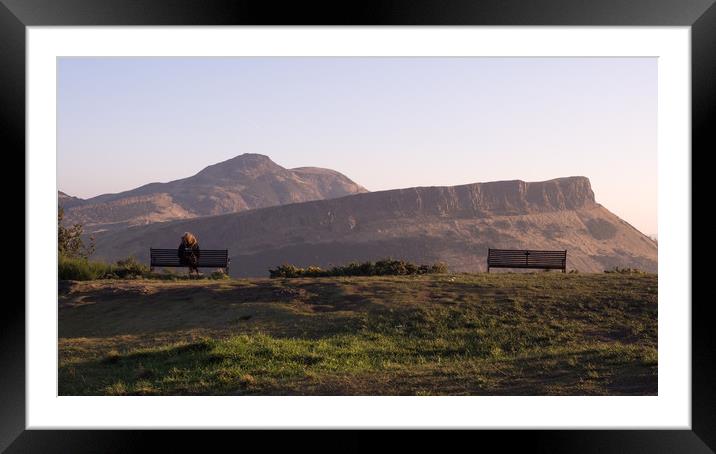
(403, 215)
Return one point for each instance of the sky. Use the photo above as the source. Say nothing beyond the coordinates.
(385, 122)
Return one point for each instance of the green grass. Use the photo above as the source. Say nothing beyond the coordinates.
(81, 269)
(483, 334)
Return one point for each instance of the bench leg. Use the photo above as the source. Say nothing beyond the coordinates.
(488, 269)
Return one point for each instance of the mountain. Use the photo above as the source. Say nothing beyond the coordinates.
(455, 225)
(67, 201)
(246, 182)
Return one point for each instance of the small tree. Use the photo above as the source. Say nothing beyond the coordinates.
(69, 239)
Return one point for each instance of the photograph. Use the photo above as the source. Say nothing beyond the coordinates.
(357, 226)
(473, 215)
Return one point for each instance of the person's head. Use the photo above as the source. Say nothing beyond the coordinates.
(188, 239)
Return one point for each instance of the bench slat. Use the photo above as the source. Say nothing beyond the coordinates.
(532, 253)
(208, 258)
(528, 255)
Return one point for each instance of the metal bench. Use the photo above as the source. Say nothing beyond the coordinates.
(516, 258)
(208, 258)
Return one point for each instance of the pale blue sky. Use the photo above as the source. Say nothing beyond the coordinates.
(384, 122)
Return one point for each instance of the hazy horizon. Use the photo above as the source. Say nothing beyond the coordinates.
(386, 123)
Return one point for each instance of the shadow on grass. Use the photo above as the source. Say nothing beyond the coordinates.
(280, 308)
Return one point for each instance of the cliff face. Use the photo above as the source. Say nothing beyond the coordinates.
(246, 182)
(471, 200)
(452, 224)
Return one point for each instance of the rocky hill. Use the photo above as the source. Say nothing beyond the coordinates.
(455, 225)
(246, 182)
(67, 201)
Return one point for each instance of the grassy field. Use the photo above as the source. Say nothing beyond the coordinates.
(460, 334)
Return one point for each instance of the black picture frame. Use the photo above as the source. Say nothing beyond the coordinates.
(16, 15)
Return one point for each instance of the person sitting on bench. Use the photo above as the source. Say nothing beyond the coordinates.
(189, 252)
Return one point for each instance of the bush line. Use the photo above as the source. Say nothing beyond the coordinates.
(386, 267)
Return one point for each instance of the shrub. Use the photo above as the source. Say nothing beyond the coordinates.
(438, 268)
(313, 271)
(385, 267)
(619, 270)
(81, 269)
(130, 267)
(69, 239)
(286, 270)
(219, 275)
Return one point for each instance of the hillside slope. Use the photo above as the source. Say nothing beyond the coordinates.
(455, 225)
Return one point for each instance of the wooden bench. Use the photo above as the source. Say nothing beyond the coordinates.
(208, 258)
(515, 258)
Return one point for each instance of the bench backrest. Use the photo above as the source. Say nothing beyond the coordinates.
(521, 258)
(208, 258)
